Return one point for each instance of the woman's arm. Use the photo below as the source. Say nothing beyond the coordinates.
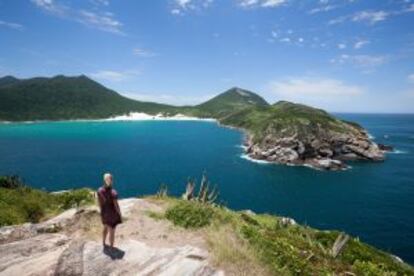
(118, 210)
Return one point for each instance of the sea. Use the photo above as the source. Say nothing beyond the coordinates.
(372, 201)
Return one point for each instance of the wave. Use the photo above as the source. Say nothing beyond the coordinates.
(396, 151)
(247, 157)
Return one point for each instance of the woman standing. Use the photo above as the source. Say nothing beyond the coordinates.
(110, 211)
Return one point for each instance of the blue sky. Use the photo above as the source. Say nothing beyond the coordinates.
(348, 55)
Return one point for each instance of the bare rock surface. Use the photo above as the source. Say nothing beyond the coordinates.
(144, 246)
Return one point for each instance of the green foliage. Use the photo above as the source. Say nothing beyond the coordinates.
(10, 182)
(282, 248)
(370, 269)
(233, 100)
(190, 214)
(75, 198)
(63, 98)
(24, 204)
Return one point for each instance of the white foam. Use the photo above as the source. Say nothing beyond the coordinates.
(396, 151)
(247, 157)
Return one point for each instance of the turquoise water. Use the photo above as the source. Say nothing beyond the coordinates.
(374, 201)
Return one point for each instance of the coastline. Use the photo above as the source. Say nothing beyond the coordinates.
(133, 116)
(318, 164)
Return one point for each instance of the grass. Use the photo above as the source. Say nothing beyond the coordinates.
(20, 203)
(260, 244)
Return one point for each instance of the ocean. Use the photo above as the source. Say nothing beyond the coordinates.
(374, 201)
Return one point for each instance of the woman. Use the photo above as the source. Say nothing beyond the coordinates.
(110, 211)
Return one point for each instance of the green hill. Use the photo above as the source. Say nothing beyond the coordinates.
(230, 101)
(8, 80)
(61, 97)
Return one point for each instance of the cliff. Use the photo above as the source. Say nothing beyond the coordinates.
(167, 236)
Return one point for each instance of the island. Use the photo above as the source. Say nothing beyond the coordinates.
(283, 132)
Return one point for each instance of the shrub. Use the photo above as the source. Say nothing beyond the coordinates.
(34, 209)
(190, 214)
(10, 182)
(75, 198)
(370, 269)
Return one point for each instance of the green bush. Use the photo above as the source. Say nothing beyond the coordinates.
(370, 269)
(34, 209)
(190, 214)
(10, 182)
(20, 203)
(75, 198)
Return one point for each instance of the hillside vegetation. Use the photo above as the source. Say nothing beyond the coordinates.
(20, 203)
(261, 244)
(238, 242)
(63, 98)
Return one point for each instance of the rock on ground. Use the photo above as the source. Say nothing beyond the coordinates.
(76, 249)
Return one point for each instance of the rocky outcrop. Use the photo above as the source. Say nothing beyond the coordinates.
(327, 150)
(32, 249)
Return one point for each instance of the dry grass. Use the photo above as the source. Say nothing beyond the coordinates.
(232, 254)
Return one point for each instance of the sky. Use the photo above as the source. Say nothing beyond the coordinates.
(339, 55)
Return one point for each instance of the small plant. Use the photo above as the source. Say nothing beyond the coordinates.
(162, 191)
(371, 269)
(75, 198)
(189, 214)
(11, 182)
(205, 195)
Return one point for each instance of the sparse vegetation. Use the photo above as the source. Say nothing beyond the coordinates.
(20, 203)
(247, 243)
(190, 214)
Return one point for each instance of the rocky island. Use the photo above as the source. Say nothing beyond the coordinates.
(283, 133)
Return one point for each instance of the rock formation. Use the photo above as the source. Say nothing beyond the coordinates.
(69, 244)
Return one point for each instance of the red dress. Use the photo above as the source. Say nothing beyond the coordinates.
(109, 213)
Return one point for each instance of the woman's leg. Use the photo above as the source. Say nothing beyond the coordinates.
(111, 236)
(104, 234)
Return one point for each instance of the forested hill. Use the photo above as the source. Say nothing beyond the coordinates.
(61, 98)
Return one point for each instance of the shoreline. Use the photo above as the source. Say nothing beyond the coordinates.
(130, 117)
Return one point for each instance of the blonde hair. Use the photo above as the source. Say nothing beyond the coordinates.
(105, 177)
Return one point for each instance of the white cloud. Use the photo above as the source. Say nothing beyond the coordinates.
(11, 25)
(322, 9)
(102, 22)
(410, 8)
(327, 93)
(115, 76)
(262, 3)
(175, 12)
(143, 53)
(183, 3)
(360, 43)
(184, 6)
(371, 17)
(100, 2)
(367, 62)
(96, 19)
(341, 46)
(285, 39)
(272, 3)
